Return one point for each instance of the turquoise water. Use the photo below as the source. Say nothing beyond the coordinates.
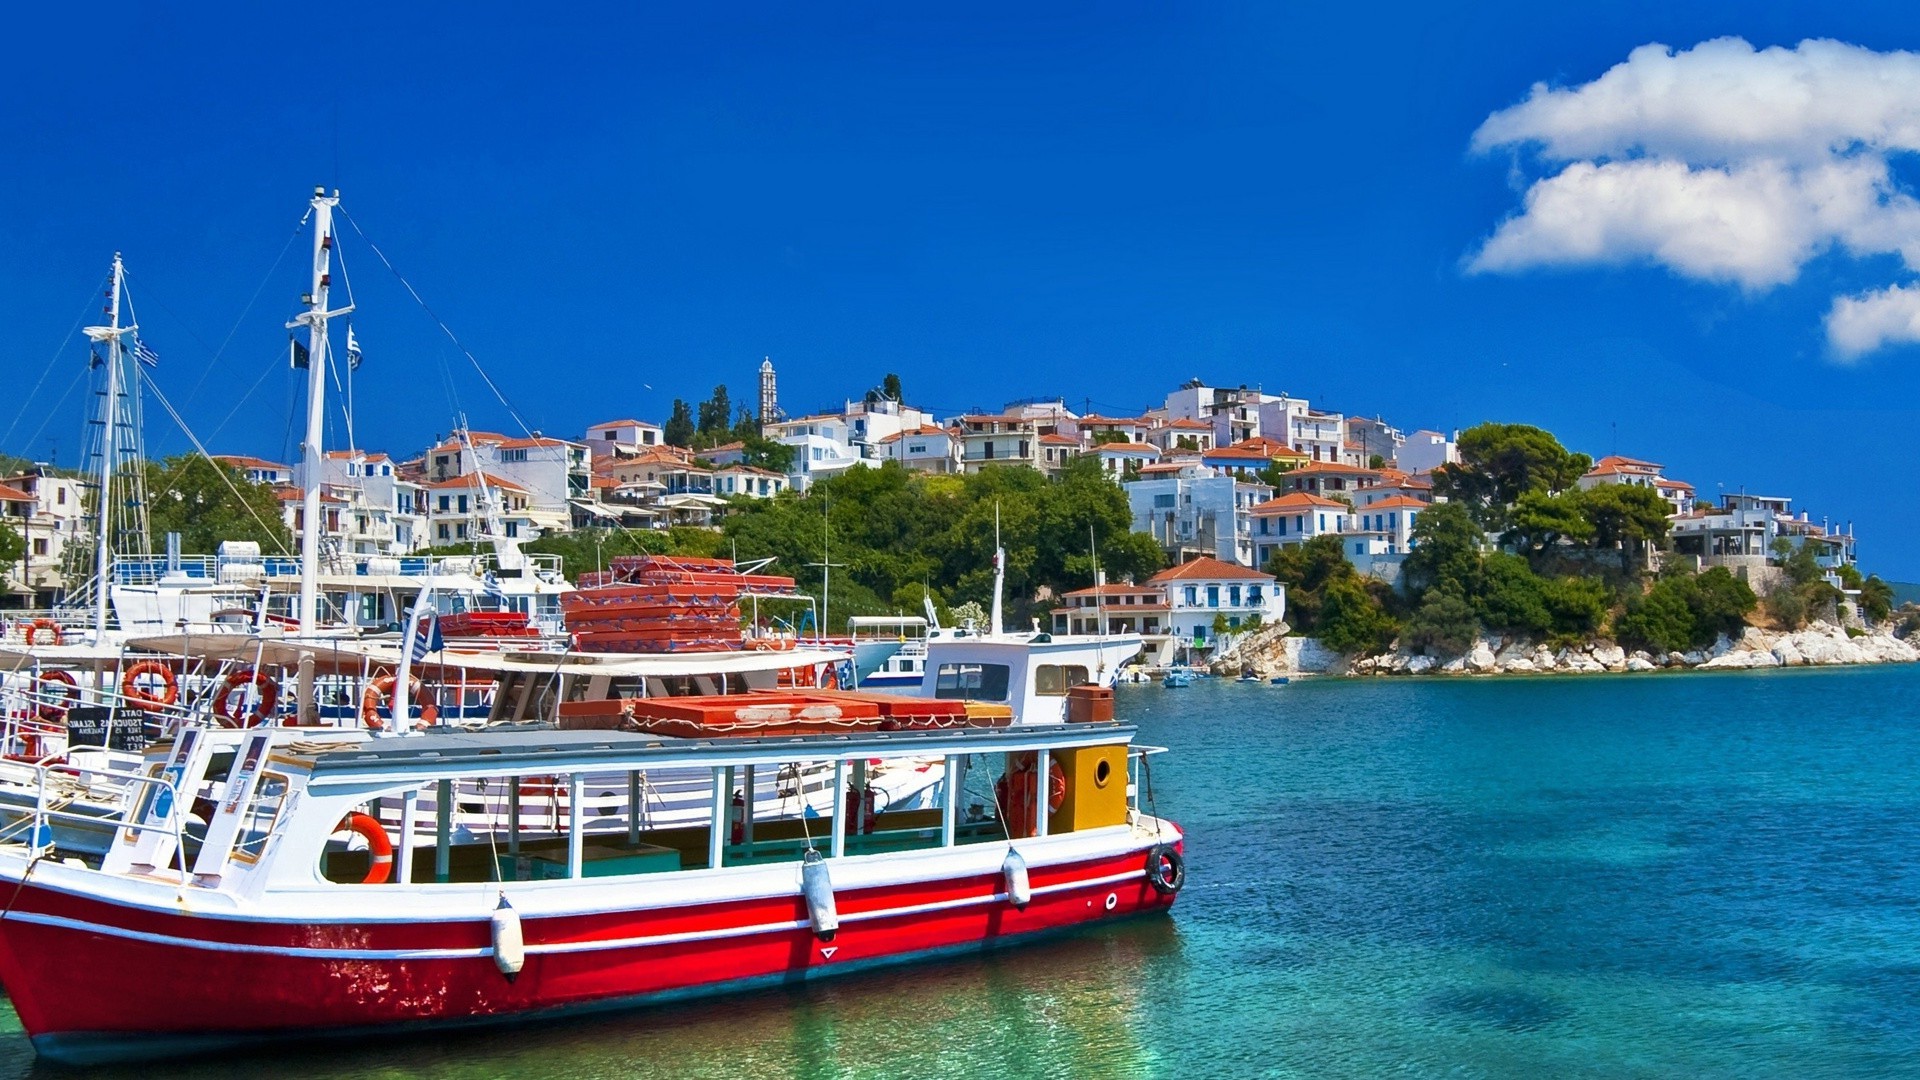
(1618, 876)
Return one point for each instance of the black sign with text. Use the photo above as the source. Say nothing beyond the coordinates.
(116, 729)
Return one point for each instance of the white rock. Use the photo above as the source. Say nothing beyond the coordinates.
(1454, 666)
(1609, 655)
(1481, 658)
(1517, 665)
(1787, 654)
(1693, 658)
(1639, 662)
(1419, 665)
(1721, 647)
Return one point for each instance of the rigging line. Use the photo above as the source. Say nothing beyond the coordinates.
(48, 417)
(218, 468)
(51, 361)
(194, 394)
(346, 406)
(444, 328)
(241, 401)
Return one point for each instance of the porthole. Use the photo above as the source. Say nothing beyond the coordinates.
(1102, 773)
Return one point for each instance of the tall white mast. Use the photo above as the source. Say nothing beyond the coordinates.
(315, 320)
(109, 446)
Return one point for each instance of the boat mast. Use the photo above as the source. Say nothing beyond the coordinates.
(315, 320)
(109, 446)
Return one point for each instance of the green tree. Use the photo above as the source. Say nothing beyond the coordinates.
(1659, 621)
(890, 386)
(1442, 624)
(1306, 570)
(13, 547)
(1352, 618)
(716, 414)
(207, 503)
(1626, 516)
(679, 430)
(1446, 550)
(1102, 438)
(1500, 462)
(1377, 461)
(1540, 521)
(1876, 599)
(1512, 597)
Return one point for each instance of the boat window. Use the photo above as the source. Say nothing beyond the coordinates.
(975, 682)
(1057, 679)
(262, 811)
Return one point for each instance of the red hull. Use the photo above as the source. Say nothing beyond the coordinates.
(159, 980)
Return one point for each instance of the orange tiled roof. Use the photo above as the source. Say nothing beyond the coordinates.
(1208, 568)
(1295, 502)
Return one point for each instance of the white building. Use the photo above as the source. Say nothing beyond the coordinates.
(1633, 472)
(257, 470)
(822, 446)
(53, 516)
(987, 440)
(379, 515)
(623, 437)
(553, 474)
(457, 509)
(1198, 510)
(1424, 451)
(927, 449)
(1203, 590)
(1294, 518)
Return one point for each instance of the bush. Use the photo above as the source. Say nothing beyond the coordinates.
(1352, 619)
(1444, 623)
(1687, 611)
(1660, 621)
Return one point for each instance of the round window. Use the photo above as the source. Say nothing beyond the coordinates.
(1101, 773)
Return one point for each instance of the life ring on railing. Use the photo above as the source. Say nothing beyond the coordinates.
(830, 678)
(1016, 797)
(541, 787)
(380, 691)
(49, 709)
(229, 713)
(137, 695)
(368, 828)
(37, 625)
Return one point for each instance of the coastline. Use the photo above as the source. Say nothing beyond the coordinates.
(1821, 644)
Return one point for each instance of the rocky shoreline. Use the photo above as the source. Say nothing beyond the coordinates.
(1271, 654)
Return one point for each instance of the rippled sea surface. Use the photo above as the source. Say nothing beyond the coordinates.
(1665, 875)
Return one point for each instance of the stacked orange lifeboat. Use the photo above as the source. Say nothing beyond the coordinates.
(663, 604)
(784, 712)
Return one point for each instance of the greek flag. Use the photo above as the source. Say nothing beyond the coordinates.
(353, 350)
(494, 592)
(145, 355)
(427, 639)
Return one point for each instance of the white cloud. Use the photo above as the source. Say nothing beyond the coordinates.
(1861, 324)
(1722, 163)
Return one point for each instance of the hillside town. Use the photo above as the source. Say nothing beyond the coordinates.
(1223, 479)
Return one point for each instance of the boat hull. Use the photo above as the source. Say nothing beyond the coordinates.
(96, 980)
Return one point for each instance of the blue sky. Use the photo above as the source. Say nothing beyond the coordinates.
(1096, 202)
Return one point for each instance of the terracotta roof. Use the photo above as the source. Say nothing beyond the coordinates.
(244, 462)
(1235, 453)
(538, 440)
(995, 418)
(472, 480)
(1681, 484)
(1320, 468)
(1395, 503)
(1615, 461)
(754, 469)
(603, 482)
(287, 493)
(1295, 502)
(1112, 590)
(622, 423)
(348, 455)
(1187, 424)
(13, 494)
(724, 448)
(1051, 439)
(1163, 466)
(1125, 448)
(1208, 568)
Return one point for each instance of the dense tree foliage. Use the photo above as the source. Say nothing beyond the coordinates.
(1501, 462)
(13, 547)
(1626, 516)
(895, 536)
(1685, 611)
(206, 503)
(679, 430)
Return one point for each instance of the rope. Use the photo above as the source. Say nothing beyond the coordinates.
(244, 312)
(219, 469)
(7, 439)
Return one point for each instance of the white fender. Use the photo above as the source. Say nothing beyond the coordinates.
(817, 886)
(1019, 889)
(509, 945)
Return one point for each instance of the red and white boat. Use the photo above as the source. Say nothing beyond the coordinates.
(296, 914)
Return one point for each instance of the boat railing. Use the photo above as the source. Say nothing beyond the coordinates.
(150, 569)
(1137, 755)
(58, 783)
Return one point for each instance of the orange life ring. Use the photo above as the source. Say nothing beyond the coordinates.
(229, 713)
(541, 787)
(48, 709)
(368, 828)
(380, 691)
(1016, 798)
(138, 697)
(37, 625)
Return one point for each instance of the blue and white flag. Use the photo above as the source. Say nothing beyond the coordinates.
(145, 355)
(427, 638)
(493, 589)
(353, 350)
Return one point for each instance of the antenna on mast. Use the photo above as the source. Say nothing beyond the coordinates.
(999, 571)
